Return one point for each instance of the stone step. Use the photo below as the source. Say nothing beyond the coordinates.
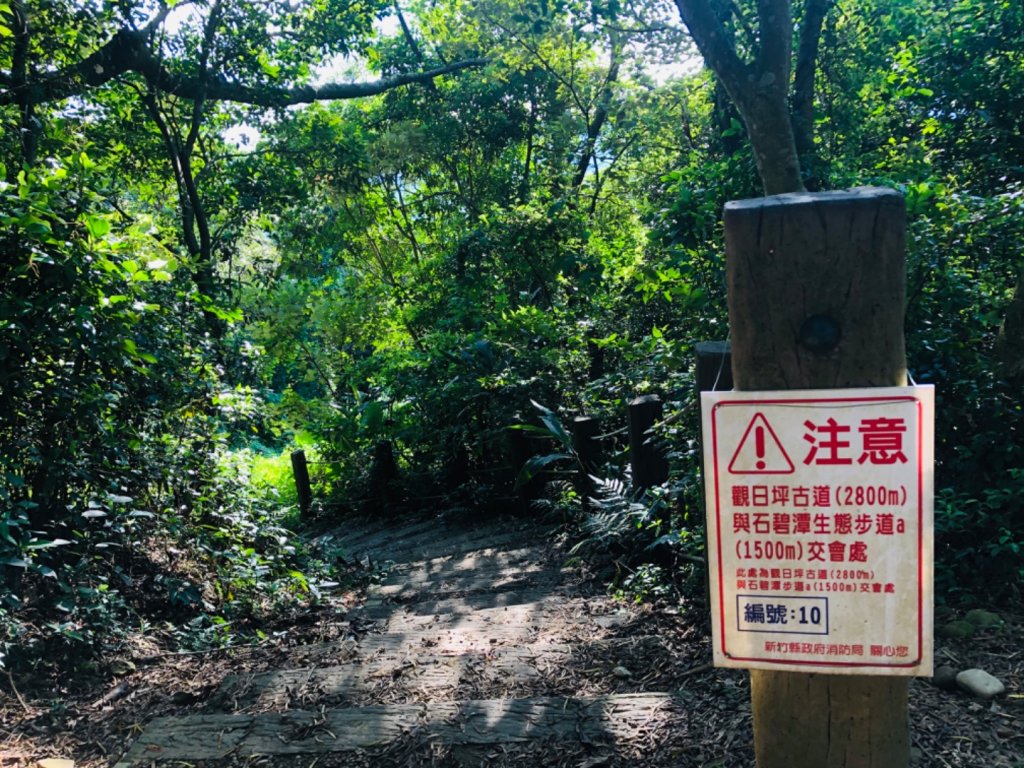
(596, 720)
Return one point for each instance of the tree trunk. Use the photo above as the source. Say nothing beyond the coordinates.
(20, 66)
(802, 107)
(816, 301)
(766, 116)
(759, 89)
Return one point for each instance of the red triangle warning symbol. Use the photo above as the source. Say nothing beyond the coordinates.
(760, 452)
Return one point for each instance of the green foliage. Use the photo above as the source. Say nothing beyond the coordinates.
(978, 539)
(418, 269)
(645, 584)
(962, 268)
(88, 324)
(115, 418)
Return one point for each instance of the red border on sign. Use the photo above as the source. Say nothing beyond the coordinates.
(788, 662)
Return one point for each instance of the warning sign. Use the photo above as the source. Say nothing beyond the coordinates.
(760, 452)
(819, 509)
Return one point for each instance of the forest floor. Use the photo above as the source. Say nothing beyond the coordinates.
(477, 646)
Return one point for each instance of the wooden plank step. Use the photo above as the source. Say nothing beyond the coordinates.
(597, 720)
(370, 535)
(440, 545)
(378, 609)
(427, 529)
(417, 643)
(474, 559)
(540, 613)
(465, 584)
(401, 677)
(376, 533)
(449, 640)
(462, 568)
(361, 536)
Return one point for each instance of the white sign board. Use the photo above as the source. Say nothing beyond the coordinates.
(819, 518)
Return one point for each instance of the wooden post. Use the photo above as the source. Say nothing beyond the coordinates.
(816, 300)
(520, 451)
(300, 469)
(383, 474)
(714, 366)
(713, 374)
(650, 466)
(584, 430)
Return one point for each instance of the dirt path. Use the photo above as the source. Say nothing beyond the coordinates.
(467, 653)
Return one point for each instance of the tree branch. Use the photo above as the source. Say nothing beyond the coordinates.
(597, 123)
(802, 103)
(19, 77)
(129, 51)
(714, 45)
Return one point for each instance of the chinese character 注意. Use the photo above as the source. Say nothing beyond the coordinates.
(881, 442)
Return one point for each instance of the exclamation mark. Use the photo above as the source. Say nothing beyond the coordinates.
(759, 446)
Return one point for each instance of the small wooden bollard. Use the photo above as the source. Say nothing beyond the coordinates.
(650, 466)
(383, 473)
(817, 293)
(584, 431)
(714, 366)
(300, 469)
(521, 450)
(713, 374)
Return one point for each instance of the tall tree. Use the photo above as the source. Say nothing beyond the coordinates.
(755, 67)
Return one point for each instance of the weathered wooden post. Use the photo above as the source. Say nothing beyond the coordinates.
(585, 430)
(714, 366)
(650, 467)
(816, 300)
(300, 469)
(521, 450)
(713, 372)
(383, 474)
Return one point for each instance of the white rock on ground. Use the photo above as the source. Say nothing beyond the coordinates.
(980, 683)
